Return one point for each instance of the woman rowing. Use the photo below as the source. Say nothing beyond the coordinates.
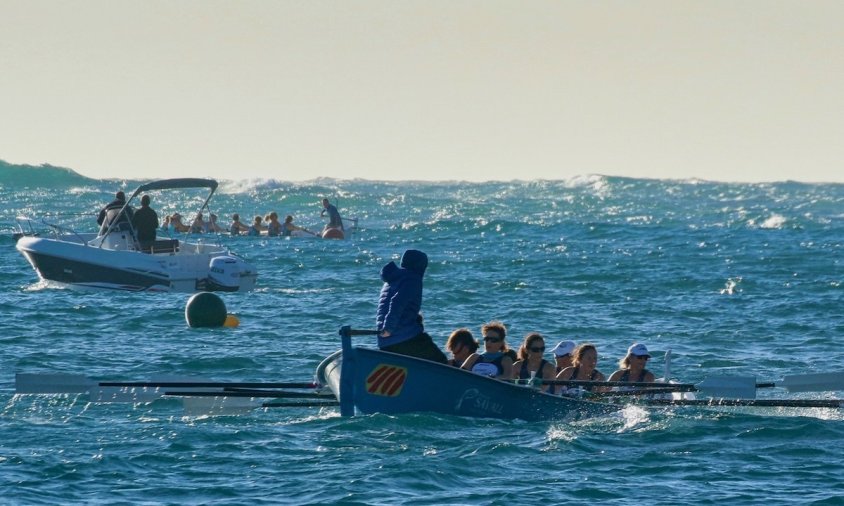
(632, 366)
(461, 344)
(495, 361)
(288, 227)
(531, 363)
(584, 368)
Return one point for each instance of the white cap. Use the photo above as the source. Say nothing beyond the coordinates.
(638, 349)
(563, 348)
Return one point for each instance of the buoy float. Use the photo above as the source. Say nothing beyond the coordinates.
(333, 233)
(231, 321)
(205, 309)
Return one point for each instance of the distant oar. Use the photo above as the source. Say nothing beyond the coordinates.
(773, 403)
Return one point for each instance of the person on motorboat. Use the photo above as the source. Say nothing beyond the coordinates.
(237, 227)
(563, 354)
(584, 368)
(531, 363)
(334, 219)
(145, 223)
(115, 205)
(398, 320)
(287, 228)
(461, 343)
(495, 361)
(632, 366)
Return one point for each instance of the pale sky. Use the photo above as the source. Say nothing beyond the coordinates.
(438, 90)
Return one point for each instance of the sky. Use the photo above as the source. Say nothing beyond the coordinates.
(425, 90)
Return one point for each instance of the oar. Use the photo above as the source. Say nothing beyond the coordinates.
(299, 404)
(246, 393)
(816, 382)
(784, 403)
(62, 383)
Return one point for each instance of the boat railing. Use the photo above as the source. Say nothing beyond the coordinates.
(26, 226)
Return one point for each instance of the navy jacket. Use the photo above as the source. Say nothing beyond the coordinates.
(401, 298)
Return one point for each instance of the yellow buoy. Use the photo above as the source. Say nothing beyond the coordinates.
(231, 321)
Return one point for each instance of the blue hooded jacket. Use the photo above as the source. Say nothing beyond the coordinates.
(401, 298)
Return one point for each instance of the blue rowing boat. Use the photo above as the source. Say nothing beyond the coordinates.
(367, 381)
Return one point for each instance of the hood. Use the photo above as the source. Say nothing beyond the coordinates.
(415, 260)
(389, 272)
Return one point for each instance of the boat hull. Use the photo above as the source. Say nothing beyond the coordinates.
(384, 382)
(76, 264)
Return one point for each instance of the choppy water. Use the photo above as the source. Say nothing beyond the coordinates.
(734, 278)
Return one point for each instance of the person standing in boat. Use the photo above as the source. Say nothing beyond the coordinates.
(562, 354)
(334, 219)
(496, 360)
(584, 368)
(115, 205)
(461, 343)
(398, 319)
(531, 363)
(632, 366)
(145, 223)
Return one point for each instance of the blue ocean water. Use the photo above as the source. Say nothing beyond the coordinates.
(735, 279)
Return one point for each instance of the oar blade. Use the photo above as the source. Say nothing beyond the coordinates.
(52, 383)
(729, 387)
(218, 406)
(817, 382)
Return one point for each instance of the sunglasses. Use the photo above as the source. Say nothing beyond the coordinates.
(538, 350)
(642, 357)
(493, 339)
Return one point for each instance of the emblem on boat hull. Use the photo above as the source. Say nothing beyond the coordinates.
(386, 380)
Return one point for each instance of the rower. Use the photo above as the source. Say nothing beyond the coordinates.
(584, 368)
(632, 366)
(496, 361)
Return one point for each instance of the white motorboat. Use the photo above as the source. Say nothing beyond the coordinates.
(113, 259)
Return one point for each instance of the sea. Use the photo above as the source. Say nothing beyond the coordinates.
(733, 279)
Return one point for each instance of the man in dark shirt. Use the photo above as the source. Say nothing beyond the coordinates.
(116, 204)
(145, 223)
(334, 220)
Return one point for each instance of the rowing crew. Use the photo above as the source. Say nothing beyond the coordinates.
(572, 362)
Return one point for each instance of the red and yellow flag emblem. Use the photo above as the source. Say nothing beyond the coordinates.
(386, 380)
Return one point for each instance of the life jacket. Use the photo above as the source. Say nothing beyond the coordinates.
(524, 373)
(489, 364)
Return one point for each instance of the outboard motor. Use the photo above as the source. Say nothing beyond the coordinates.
(224, 274)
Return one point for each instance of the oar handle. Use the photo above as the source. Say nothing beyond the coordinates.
(349, 331)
